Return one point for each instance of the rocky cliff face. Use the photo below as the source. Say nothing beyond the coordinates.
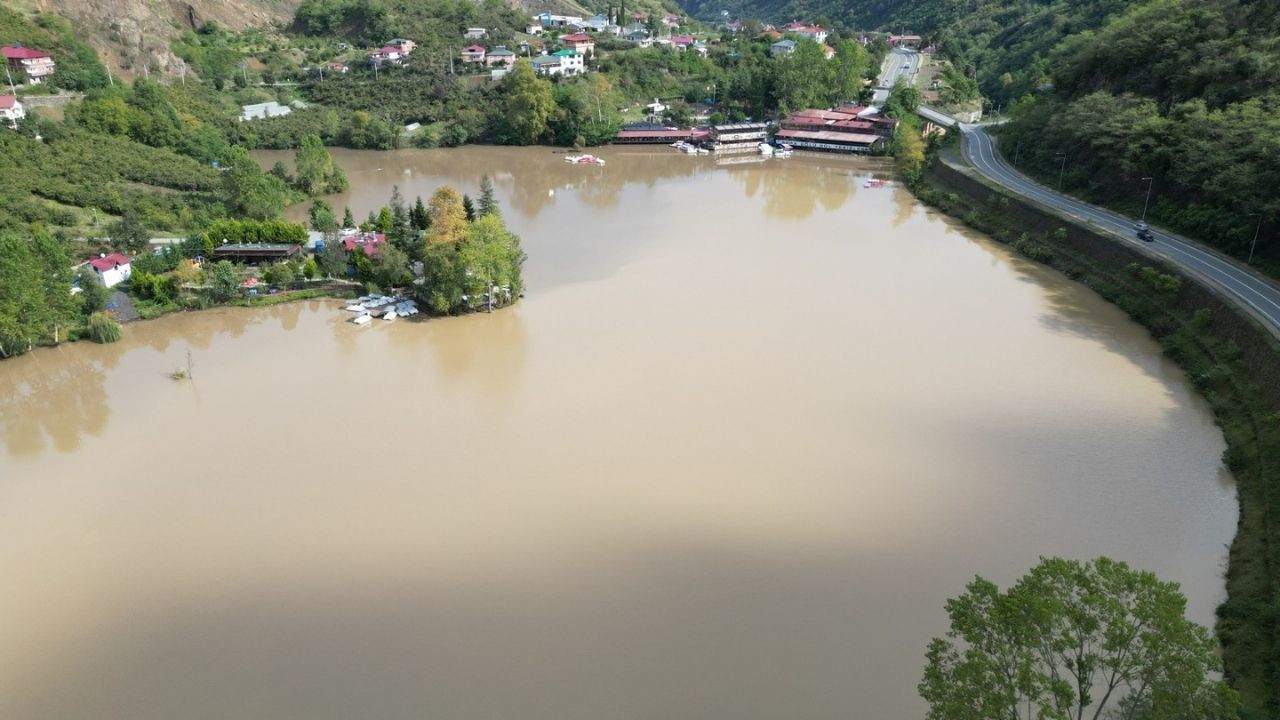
(134, 36)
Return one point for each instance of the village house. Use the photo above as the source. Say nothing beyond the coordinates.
(337, 67)
(580, 42)
(533, 29)
(404, 46)
(547, 20)
(904, 40)
(369, 242)
(700, 48)
(475, 33)
(783, 48)
(601, 24)
(11, 110)
(670, 21)
(638, 35)
(35, 66)
(499, 56)
(473, 54)
(395, 53)
(561, 62)
(682, 42)
(812, 32)
(111, 269)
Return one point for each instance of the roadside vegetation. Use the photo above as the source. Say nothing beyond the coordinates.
(1229, 360)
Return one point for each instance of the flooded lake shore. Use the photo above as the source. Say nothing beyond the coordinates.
(751, 426)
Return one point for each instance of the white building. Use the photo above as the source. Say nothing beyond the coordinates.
(562, 62)
(111, 269)
(475, 33)
(11, 110)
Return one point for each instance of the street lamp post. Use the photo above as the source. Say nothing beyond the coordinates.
(1150, 183)
(1061, 170)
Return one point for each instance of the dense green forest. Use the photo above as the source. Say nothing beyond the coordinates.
(1184, 92)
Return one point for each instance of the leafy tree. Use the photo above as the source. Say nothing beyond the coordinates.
(36, 304)
(1074, 640)
(93, 294)
(128, 233)
(316, 170)
(333, 260)
(310, 269)
(525, 106)
(448, 217)
(322, 219)
(390, 267)
(223, 280)
(385, 221)
(248, 192)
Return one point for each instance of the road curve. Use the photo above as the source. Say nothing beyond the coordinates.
(1240, 284)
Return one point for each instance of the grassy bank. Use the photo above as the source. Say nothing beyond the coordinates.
(1231, 361)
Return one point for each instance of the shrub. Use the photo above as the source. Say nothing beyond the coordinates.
(104, 329)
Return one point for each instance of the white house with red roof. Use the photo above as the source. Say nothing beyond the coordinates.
(11, 110)
(111, 269)
(580, 42)
(682, 42)
(395, 52)
(369, 242)
(473, 54)
(35, 65)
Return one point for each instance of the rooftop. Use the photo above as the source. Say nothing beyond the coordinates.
(109, 262)
(829, 136)
(7, 101)
(17, 52)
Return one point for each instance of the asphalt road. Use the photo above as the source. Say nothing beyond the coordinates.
(1242, 285)
(892, 69)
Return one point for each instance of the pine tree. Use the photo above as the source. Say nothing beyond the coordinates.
(469, 208)
(348, 220)
(488, 205)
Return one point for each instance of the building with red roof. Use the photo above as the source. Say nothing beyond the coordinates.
(111, 269)
(473, 54)
(682, 42)
(369, 242)
(11, 110)
(581, 42)
(34, 65)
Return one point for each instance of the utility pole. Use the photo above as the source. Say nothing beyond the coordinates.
(1062, 169)
(1150, 183)
(1254, 246)
(1017, 151)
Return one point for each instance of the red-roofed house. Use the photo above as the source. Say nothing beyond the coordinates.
(370, 242)
(11, 110)
(473, 54)
(682, 42)
(111, 269)
(388, 54)
(35, 65)
(581, 42)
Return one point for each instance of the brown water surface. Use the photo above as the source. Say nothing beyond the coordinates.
(750, 428)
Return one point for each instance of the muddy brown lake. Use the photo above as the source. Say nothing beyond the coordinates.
(749, 429)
